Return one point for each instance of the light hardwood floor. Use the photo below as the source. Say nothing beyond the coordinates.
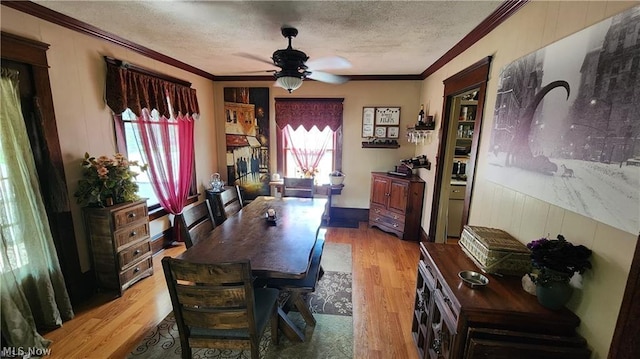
(384, 276)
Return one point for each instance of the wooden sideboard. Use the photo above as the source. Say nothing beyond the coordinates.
(499, 321)
(120, 244)
(396, 204)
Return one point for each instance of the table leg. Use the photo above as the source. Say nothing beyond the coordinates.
(289, 328)
(303, 308)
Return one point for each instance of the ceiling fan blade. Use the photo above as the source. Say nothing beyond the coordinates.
(327, 77)
(254, 72)
(330, 62)
(254, 57)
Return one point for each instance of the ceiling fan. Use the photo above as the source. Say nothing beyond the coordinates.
(295, 67)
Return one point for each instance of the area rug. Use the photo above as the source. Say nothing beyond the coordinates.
(331, 337)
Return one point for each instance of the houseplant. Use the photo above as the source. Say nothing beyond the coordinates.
(555, 262)
(106, 181)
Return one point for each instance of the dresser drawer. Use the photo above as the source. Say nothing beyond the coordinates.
(133, 254)
(386, 221)
(131, 234)
(129, 215)
(380, 211)
(137, 271)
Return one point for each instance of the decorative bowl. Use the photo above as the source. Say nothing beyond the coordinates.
(473, 279)
(336, 180)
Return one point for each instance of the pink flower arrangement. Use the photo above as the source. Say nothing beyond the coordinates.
(104, 178)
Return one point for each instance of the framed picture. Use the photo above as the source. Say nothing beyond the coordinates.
(388, 116)
(393, 131)
(368, 119)
(367, 130)
(381, 132)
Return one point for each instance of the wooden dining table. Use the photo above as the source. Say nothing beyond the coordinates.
(276, 250)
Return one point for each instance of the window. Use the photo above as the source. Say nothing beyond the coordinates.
(134, 153)
(312, 139)
(154, 123)
(300, 123)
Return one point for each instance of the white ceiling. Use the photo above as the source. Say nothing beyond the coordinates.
(377, 37)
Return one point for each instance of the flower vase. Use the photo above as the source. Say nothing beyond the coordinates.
(108, 202)
(554, 294)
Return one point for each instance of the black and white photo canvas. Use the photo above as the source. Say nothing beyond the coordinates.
(566, 125)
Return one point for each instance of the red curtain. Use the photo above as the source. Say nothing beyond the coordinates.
(166, 141)
(168, 150)
(309, 112)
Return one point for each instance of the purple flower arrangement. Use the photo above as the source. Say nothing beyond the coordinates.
(558, 259)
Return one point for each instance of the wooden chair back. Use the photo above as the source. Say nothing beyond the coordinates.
(196, 222)
(298, 187)
(215, 305)
(231, 201)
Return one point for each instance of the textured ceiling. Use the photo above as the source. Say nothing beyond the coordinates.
(377, 37)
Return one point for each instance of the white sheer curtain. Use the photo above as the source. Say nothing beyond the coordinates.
(308, 147)
(32, 290)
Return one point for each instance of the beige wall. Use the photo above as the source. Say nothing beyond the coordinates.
(533, 27)
(357, 162)
(77, 73)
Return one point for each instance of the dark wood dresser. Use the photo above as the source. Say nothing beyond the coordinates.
(120, 244)
(499, 321)
(396, 204)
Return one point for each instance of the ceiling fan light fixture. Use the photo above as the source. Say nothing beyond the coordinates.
(289, 83)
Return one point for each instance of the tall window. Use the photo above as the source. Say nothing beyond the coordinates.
(309, 137)
(318, 145)
(134, 153)
(154, 124)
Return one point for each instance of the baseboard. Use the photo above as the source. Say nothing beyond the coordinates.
(162, 240)
(350, 214)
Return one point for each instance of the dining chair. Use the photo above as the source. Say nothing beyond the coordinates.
(196, 223)
(216, 306)
(298, 187)
(231, 201)
(297, 289)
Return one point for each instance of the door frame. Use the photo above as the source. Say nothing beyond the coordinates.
(49, 163)
(474, 76)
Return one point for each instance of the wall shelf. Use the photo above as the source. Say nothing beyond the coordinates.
(379, 145)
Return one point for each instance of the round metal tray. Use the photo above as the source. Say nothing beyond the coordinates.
(473, 279)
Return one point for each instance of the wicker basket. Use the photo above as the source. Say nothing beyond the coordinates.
(495, 251)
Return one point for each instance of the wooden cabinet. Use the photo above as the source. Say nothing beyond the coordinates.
(396, 204)
(120, 244)
(455, 209)
(451, 320)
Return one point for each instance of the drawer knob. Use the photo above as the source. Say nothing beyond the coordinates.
(395, 225)
(137, 251)
(133, 233)
(132, 215)
(377, 210)
(136, 270)
(395, 217)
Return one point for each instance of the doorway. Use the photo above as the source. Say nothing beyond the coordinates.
(464, 95)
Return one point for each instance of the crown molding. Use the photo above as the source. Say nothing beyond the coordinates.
(502, 13)
(57, 18)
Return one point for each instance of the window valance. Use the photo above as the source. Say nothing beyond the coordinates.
(309, 112)
(127, 88)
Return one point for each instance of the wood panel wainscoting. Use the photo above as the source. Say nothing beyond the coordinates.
(384, 283)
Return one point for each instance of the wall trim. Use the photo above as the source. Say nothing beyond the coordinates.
(502, 13)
